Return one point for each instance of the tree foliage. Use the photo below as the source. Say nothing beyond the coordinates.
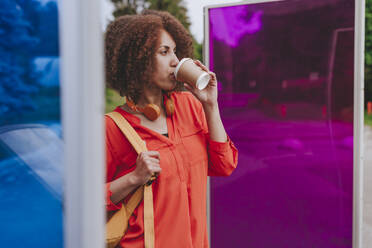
(368, 51)
(128, 7)
(15, 65)
(175, 7)
(28, 29)
(198, 51)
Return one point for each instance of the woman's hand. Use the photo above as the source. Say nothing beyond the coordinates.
(147, 164)
(207, 96)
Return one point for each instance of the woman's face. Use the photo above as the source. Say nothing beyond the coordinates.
(165, 62)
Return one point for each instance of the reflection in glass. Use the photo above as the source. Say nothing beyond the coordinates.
(31, 192)
(285, 72)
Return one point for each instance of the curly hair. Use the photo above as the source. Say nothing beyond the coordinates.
(130, 45)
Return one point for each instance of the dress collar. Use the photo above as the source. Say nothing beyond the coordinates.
(146, 132)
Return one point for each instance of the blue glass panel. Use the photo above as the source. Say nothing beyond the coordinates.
(285, 72)
(31, 145)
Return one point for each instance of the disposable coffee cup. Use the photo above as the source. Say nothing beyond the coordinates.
(188, 72)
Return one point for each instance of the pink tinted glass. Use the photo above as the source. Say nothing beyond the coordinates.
(285, 72)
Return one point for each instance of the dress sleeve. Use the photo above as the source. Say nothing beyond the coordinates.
(222, 156)
(111, 168)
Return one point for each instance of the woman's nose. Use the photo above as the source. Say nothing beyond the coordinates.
(175, 60)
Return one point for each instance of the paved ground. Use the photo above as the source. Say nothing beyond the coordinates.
(367, 232)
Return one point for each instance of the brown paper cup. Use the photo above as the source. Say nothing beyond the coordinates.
(188, 72)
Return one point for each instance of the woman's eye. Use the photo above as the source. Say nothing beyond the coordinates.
(164, 52)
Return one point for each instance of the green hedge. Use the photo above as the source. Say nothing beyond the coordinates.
(368, 119)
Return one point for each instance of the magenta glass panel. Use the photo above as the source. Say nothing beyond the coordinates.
(285, 72)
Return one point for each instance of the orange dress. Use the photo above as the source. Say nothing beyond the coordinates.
(187, 157)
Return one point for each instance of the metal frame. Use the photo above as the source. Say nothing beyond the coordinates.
(358, 152)
(82, 119)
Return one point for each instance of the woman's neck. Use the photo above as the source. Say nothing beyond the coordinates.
(151, 95)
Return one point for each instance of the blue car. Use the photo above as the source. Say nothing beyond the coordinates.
(31, 185)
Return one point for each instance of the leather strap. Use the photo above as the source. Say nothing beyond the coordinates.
(131, 134)
(134, 201)
(140, 146)
(149, 217)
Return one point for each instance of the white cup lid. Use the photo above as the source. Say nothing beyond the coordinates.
(179, 65)
(203, 81)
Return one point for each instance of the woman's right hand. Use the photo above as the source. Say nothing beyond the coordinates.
(147, 164)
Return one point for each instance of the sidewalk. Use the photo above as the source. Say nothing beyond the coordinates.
(367, 232)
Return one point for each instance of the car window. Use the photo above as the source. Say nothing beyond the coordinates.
(39, 149)
(31, 188)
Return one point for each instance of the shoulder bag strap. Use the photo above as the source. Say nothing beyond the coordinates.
(140, 146)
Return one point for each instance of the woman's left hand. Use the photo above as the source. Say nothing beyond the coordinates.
(207, 96)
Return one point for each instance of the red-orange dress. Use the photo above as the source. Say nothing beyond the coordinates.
(187, 157)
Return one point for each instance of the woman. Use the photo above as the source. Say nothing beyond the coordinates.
(142, 52)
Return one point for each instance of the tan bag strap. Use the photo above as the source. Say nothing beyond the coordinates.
(149, 218)
(140, 146)
(131, 134)
(134, 201)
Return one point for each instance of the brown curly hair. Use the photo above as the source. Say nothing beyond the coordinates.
(130, 45)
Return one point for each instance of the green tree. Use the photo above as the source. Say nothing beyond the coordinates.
(368, 52)
(176, 7)
(198, 51)
(128, 7)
